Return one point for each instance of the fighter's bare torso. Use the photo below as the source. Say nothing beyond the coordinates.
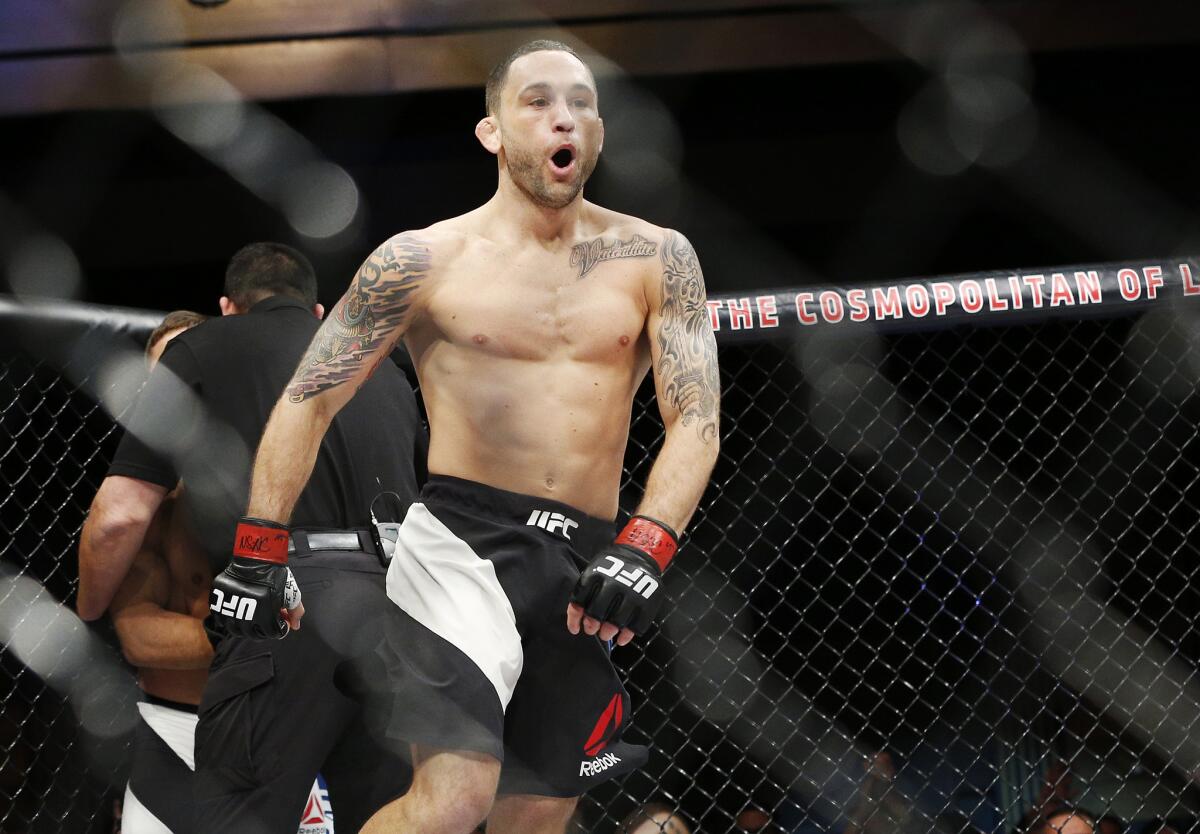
(529, 354)
(171, 570)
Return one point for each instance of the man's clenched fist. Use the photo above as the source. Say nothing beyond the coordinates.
(620, 590)
(256, 595)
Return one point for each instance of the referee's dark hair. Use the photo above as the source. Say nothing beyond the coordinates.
(259, 270)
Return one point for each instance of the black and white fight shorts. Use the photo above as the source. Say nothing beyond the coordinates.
(479, 657)
(158, 797)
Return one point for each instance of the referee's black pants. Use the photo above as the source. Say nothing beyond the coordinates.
(275, 712)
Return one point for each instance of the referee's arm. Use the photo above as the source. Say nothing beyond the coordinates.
(114, 531)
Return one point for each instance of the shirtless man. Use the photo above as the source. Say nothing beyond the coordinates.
(532, 321)
(158, 611)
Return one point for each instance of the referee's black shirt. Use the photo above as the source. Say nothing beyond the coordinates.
(205, 405)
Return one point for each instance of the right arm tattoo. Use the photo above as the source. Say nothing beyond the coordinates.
(367, 320)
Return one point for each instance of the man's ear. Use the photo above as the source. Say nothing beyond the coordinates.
(599, 149)
(319, 310)
(228, 308)
(488, 133)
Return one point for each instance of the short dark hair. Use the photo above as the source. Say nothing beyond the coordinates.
(496, 78)
(174, 320)
(259, 270)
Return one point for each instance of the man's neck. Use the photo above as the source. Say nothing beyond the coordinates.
(521, 216)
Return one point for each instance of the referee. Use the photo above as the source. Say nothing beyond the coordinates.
(275, 712)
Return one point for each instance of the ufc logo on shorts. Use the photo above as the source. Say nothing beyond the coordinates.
(551, 522)
(641, 582)
(240, 608)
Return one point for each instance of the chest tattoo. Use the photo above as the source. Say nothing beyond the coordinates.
(586, 256)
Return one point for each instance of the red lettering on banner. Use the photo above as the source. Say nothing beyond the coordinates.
(1034, 282)
(831, 306)
(887, 302)
(714, 314)
(971, 295)
(1015, 297)
(995, 302)
(1060, 292)
(1154, 280)
(943, 296)
(1131, 288)
(1190, 287)
(739, 314)
(1087, 284)
(802, 300)
(918, 300)
(767, 311)
(857, 300)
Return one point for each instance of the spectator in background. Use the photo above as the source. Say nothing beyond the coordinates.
(1108, 824)
(881, 808)
(752, 821)
(1057, 792)
(1067, 821)
(654, 818)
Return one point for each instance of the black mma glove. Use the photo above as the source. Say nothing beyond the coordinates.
(623, 583)
(248, 595)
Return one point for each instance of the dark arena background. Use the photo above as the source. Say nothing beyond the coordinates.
(945, 576)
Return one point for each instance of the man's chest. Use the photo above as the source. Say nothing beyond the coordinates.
(539, 308)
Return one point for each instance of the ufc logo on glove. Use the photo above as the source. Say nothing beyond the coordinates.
(636, 578)
(240, 608)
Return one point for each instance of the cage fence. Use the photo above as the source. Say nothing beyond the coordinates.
(943, 578)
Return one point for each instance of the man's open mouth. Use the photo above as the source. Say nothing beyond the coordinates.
(563, 158)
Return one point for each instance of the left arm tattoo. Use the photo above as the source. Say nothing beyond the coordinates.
(366, 321)
(687, 362)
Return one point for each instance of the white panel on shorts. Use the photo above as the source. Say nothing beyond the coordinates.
(439, 581)
(175, 727)
(137, 819)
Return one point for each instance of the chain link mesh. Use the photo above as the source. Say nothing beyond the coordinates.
(940, 580)
(55, 442)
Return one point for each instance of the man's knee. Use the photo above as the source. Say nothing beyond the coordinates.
(453, 790)
(513, 813)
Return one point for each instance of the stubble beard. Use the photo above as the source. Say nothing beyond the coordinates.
(529, 175)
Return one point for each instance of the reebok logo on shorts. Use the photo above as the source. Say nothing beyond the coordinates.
(606, 726)
(552, 522)
(240, 608)
(598, 764)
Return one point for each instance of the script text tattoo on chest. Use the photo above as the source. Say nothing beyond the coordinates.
(587, 255)
(366, 317)
(687, 363)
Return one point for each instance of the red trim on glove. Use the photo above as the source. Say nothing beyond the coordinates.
(257, 540)
(654, 538)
